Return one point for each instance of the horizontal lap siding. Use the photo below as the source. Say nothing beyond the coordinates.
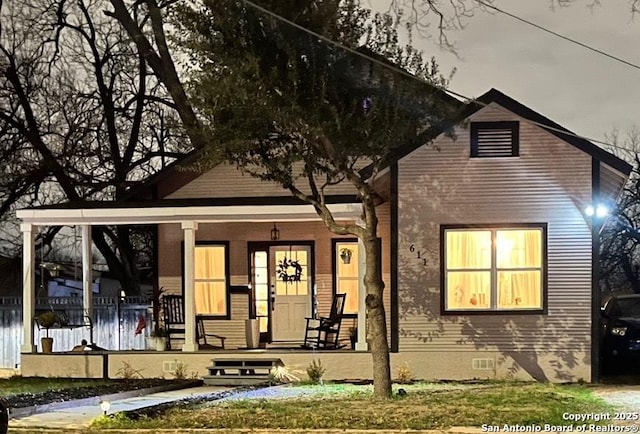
(549, 183)
(226, 181)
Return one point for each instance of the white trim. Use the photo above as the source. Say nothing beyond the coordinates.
(173, 214)
(28, 287)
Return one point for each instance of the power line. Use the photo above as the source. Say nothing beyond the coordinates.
(566, 38)
(395, 69)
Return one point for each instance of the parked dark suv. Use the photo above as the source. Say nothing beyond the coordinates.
(621, 330)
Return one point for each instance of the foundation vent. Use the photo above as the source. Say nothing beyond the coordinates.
(169, 366)
(483, 364)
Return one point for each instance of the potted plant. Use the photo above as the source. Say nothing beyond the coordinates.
(47, 320)
(345, 255)
(158, 339)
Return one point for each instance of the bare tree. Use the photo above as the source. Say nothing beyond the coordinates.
(81, 116)
(620, 248)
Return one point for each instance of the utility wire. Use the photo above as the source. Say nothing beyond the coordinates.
(413, 77)
(566, 38)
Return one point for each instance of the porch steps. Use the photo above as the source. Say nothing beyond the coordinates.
(239, 371)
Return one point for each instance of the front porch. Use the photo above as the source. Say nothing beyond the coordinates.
(244, 285)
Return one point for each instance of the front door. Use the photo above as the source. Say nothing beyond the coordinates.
(291, 285)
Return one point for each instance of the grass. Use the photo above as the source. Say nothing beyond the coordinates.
(18, 385)
(426, 406)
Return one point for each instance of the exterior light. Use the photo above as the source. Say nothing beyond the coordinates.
(275, 233)
(599, 211)
(589, 211)
(602, 211)
(105, 406)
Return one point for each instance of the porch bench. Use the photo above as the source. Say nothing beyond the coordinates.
(62, 322)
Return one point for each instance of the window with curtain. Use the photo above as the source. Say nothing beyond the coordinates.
(493, 269)
(347, 278)
(210, 280)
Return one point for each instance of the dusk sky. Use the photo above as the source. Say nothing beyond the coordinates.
(579, 89)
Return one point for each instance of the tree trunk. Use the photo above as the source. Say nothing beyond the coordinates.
(376, 318)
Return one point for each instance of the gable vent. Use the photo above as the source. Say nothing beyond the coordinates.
(494, 139)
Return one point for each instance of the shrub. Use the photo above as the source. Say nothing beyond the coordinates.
(404, 374)
(315, 371)
(128, 372)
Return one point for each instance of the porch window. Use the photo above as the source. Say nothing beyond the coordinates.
(494, 269)
(210, 280)
(346, 273)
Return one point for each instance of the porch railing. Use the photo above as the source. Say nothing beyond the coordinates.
(114, 323)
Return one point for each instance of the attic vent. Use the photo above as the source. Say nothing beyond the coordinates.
(483, 364)
(494, 139)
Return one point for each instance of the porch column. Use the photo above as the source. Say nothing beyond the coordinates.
(87, 277)
(190, 343)
(361, 343)
(28, 286)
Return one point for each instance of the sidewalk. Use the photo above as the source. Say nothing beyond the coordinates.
(81, 416)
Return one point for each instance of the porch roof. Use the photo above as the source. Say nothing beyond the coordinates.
(114, 213)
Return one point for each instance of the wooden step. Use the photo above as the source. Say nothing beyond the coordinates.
(234, 380)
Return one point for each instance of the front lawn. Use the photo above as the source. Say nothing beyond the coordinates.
(425, 406)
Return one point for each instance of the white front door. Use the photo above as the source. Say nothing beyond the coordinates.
(291, 296)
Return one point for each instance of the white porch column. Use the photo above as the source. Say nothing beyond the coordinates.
(361, 343)
(87, 277)
(190, 343)
(28, 287)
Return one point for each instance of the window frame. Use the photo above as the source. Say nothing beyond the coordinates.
(494, 269)
(227, 272)
(334, 269)
(514, 126)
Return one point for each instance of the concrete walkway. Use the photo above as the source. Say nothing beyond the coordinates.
(81, 417)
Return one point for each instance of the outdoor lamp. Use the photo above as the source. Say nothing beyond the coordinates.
(599, 211)
(105, 406)
(275, 233)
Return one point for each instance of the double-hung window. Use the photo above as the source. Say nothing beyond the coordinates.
(347, 278)
(494, 268)
(211, 279)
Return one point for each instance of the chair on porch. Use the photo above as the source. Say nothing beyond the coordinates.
(174, 325)
(323, 332)
(173, 315)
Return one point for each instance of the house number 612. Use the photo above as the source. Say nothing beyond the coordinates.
(412, 249)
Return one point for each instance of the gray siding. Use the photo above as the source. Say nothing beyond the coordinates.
(549, 183)
(225, 181)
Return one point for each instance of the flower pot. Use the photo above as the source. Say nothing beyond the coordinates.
(47, 345)
(158, 343)
(252, 332)
(161, 344)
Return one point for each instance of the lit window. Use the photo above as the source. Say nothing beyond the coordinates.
(347, 278)
(210, 280)
(493, 269)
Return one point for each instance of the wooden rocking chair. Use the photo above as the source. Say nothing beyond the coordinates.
(173, 314)
(322, 333)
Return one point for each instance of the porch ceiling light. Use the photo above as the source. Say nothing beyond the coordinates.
(275, 233)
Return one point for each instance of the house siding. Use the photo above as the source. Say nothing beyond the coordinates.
(550, 183)
(225, 181)
(239, 235)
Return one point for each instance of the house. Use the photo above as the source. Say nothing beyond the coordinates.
(489, 255)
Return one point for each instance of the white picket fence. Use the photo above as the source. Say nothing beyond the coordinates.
(114, 324)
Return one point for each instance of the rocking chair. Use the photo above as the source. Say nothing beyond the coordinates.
(173, 310)
(322, 333)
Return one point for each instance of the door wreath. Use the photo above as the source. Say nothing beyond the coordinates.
(289, 270)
